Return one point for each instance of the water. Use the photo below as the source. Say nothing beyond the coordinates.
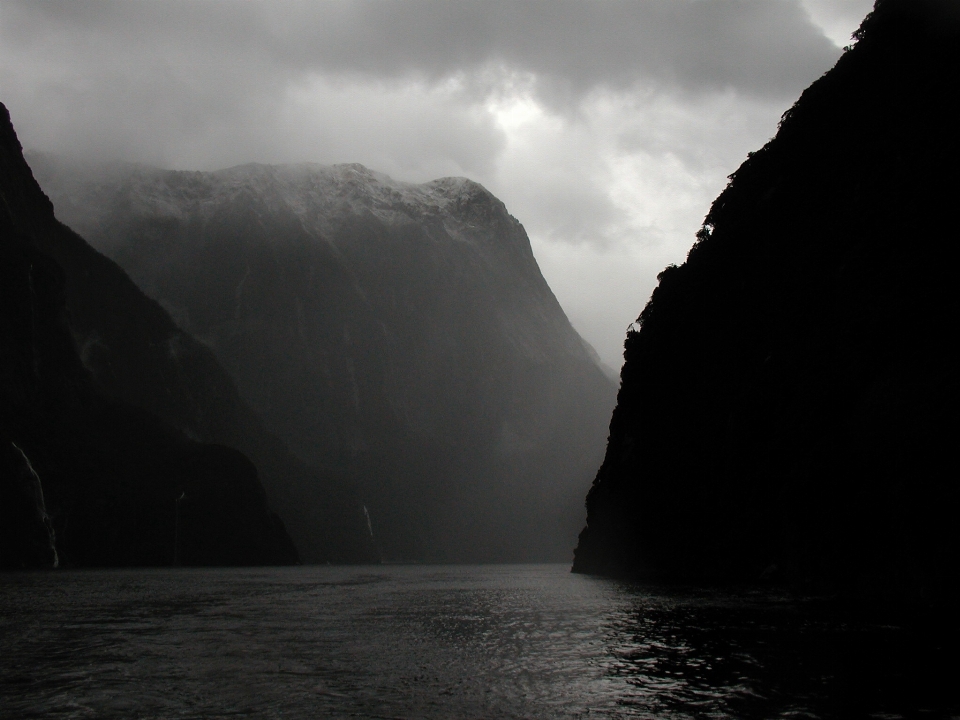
(521, 641)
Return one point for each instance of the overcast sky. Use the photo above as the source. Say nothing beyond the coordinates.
(606, 127)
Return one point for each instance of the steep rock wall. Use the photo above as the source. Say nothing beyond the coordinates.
(789, 399)
(86, 480)
(402, 334)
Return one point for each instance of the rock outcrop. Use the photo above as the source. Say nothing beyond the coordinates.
(398, 334)
(788, 405)
(86, 479)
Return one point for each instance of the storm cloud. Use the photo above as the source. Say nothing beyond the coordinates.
(606, 127)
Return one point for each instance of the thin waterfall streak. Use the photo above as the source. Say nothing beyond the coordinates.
(366, 514)
(41, 504)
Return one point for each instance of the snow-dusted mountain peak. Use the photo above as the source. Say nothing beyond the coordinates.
(323, 197)
(321, 193)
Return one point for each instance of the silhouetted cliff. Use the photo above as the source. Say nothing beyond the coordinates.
(401, 334)
(86, 480)
(789, 400)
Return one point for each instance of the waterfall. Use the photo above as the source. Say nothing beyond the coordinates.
(41, 506)
(366, 514)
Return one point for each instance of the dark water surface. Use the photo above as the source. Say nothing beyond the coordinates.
(514, 641)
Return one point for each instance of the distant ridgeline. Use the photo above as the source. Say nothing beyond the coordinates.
(400, 335)
(789, 401)
(115, 424)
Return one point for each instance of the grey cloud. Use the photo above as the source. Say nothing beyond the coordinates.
(756, 46)
(838, 18)
(402, 86)
(153, 80)
(412, 132)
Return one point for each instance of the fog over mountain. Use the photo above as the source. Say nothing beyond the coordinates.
(606, 127)
(399, 334)
(90, 473)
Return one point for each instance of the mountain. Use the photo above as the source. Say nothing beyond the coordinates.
(400, 334)
(788, 406)
(137, 355)
(86, 479)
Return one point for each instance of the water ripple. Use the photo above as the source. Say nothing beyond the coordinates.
(439, 642)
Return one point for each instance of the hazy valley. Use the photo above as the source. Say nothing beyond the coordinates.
(272, 366)
(397, 336)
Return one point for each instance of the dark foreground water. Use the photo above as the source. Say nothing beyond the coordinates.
(520, 641)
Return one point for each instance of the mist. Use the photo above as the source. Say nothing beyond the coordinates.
(606, 129)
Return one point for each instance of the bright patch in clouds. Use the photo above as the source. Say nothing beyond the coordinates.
(614, 193)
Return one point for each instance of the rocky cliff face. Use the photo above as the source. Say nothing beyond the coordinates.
(789, 398)
(137, 355)
(85, 479)
(400, 334)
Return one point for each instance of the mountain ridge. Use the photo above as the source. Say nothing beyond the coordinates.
(400, 332)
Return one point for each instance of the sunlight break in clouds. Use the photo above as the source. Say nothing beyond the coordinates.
(613, 195)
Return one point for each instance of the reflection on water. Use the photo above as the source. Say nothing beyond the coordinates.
(757, 656)
(441, 642)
